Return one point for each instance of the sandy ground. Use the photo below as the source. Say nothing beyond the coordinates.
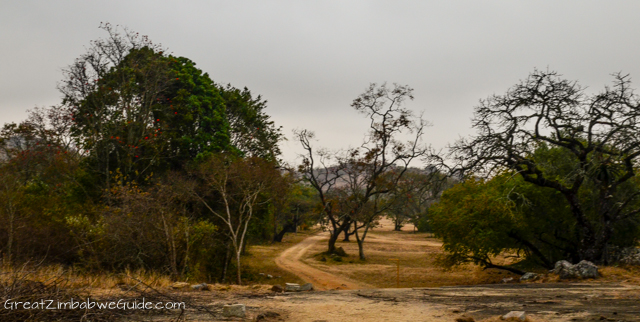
(560, 302)
(291, 260)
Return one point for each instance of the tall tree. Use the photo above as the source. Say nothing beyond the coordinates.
(372, 170)
(597, 135)
(137, 110)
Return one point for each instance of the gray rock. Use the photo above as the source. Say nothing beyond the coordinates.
(529, 277)
(235, 310)
(269, 276)
(200, 287)
(586, 269)
(565, 269)
(306, 287)
(291, 287)
(630, 256)
(261, 274)
(277, 288)
(520, 315)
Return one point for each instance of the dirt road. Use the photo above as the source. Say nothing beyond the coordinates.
(291, 260)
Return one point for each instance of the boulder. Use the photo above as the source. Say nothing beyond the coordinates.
(564, 269)
(234, 310)
(520, 315)
(529, 277)
(306, 287)
(291, 287)
(277, 288)
(200, 287)
(584, 269)
(179, 285)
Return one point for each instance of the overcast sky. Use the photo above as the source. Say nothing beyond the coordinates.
(310, 59)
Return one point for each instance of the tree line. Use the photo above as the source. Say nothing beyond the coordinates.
(148, 163)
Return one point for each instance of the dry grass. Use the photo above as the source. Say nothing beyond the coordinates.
(261, 259)
(417, 253)
(85, 281)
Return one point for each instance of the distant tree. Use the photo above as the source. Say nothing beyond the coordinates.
(596, 135)
(413, 195)
(372, 170)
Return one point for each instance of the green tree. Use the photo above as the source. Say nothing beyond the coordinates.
(137, 110)
(597, 135)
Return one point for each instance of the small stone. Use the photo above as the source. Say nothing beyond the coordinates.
(507, 280)
(261, 274)
(529, 277)
(291, 287)
(267, 315)
(306, 287)
(269, 276)
(179, 285)
(520, 315)
(236, 310)
(200, 287)
(277, 288)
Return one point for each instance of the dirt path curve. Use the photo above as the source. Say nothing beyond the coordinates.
(291, 260)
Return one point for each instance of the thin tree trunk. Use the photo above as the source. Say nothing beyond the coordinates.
(238, 264)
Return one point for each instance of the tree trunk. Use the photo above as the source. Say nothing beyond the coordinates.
(346, 234)
(361, 250)
(225, 264)
(238, 264)
(278, 237)
(9, 259)
(335, 233)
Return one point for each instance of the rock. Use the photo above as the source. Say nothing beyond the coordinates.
(529, 277)
(564, 269)
(267, 315)
(306, 287)
(200, 287)
(291, 287)
(630, 256)
(277, 288)
(261, 274)
(236, 310)
(520, 315)
(584, 269)
(179, 285)
(507, 280)
(269, 276)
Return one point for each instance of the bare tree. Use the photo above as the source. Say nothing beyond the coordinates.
(595, 135)
(368, 172)
(234, 189)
